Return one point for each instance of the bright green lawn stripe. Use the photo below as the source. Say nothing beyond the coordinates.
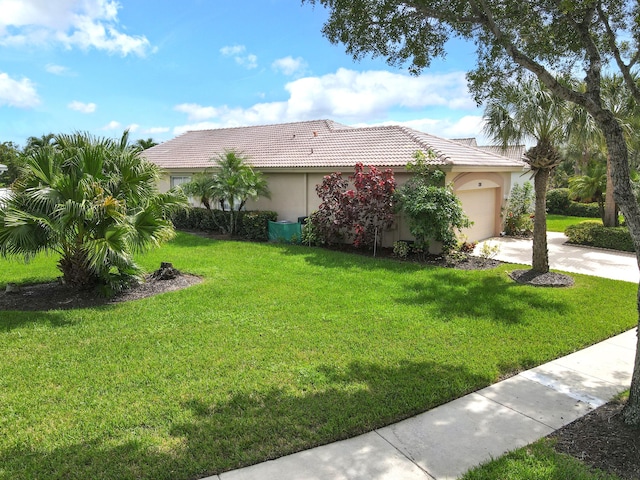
(559, 223)
(280, 348)
(538, 461)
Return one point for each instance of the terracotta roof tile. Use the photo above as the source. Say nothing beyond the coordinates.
(319, 143)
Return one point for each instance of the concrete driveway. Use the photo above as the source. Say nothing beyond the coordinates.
(569, 258)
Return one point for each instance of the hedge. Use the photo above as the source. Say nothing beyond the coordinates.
(559, 202)
(251, 225)
(597, 235)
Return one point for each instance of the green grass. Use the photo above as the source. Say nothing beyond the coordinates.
(559, 223)
(538, 461)
(280, 348)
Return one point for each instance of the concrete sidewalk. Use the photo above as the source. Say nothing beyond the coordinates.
(445, 442)
(569, 258)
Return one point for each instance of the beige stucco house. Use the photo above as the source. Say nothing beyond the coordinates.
(294, 157)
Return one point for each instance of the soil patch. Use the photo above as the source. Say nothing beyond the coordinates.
(602, 440)
(56, 296)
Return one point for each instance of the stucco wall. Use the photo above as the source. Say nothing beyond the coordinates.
(293, 195)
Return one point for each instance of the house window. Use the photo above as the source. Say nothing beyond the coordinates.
(179, 180)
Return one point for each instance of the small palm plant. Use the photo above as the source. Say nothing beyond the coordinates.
(93, 201)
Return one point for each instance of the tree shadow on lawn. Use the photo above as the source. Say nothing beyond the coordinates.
(328, 258)
(451, 294)
(11, 319)
(251, 427)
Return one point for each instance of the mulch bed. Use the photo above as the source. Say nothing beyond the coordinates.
(549, 279)
(602, 440)
(56, 296)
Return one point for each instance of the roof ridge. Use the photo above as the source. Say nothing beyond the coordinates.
(415, 134)
(326, 122)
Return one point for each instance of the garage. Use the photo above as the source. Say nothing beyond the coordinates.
(480, 206)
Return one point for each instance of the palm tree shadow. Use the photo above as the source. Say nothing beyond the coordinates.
(451, 295)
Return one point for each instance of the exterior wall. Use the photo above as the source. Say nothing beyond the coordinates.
(288, 196)
(293, 195)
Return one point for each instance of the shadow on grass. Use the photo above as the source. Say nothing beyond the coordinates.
(251, 427)
(452, 295)
(16, 319)
(328, 258)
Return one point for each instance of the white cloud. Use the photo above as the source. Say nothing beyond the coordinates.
(232, 50)
(113, 125)
(134, 127)
(196, 112)
(248, 61)
(17, 93)
(72, 23)
(56, 69)
(82, 107)
(153, 130)
(290, 66)
(351, 96)
(467, 126)
(358, 95)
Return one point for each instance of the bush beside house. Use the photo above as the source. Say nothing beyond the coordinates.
(252, 225)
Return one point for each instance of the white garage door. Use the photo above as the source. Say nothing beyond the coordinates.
(480, 207)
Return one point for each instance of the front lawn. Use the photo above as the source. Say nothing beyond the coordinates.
(280, 348)
(559, 223)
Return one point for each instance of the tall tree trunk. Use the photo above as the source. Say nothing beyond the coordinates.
(610, 211)
(623, 194)
(540, 260)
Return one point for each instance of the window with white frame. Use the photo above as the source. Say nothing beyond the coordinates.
(179, 180)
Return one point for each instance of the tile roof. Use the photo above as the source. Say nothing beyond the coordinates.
(318, 143)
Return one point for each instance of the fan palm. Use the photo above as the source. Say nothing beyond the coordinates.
(94, 202)
(591, 186)
(529, 111)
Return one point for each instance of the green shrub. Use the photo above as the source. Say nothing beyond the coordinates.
(597, 235)
(251, 225)
(211, 220)
(616, 238)
(310, 235)
(187, 219)
(589, 210)
(255, 225)
(518, 214)
(558, 201)
(401, 249)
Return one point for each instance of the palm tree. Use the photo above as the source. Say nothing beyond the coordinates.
(591, 186)
(201, 187)
(235, 183)
(94, 202)
(529, 111)
(33, 143)
(144, 144)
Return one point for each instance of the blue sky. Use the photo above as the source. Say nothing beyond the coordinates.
(163, 67)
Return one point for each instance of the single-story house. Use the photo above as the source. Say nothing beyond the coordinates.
(294, 158)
